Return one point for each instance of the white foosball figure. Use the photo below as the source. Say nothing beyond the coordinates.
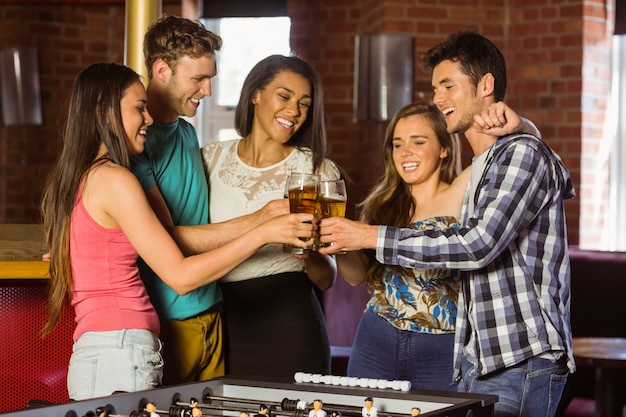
(317, 410)
(368, 409)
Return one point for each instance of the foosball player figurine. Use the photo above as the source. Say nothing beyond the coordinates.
(195, 410)
(151, 408)
(317, 410)
(106, 411)
(264, 411)
(415, 411)
(244, 414)
(368, 409)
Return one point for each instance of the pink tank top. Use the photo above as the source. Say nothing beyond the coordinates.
(107, 292)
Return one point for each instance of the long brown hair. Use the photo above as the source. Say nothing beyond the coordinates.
(391, 203)
(94, 119)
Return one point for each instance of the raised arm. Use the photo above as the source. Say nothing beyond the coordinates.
(128, 206)
(201, 238)
(499, 120)
(346, 234)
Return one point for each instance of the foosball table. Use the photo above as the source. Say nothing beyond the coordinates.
(224, 397)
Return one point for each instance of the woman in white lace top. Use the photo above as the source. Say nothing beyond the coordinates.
(274, 324)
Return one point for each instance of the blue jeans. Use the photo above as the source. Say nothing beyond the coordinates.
(382, 351)
(122, 360)
(530, 389)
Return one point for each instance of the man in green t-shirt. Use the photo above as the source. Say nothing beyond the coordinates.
(180, 57)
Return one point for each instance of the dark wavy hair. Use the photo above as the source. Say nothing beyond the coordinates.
(312, 134)
(476, 56)
(94, 119)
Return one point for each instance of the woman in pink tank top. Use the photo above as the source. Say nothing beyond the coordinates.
(97, 221)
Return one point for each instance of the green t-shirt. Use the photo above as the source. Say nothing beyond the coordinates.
(172, 161)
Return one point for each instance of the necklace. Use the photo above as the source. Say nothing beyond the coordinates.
(488, 160)
(104, 158)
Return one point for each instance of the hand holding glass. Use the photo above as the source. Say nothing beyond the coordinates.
(332, 200)
(302, 191)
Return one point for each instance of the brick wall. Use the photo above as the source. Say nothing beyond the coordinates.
(544, 41)
(68, 37)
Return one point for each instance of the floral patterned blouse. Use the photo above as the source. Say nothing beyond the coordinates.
(424, 301)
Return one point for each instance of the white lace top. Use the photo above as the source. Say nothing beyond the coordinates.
(237, 189)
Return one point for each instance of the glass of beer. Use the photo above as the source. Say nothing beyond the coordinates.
(302, 191)
(332, 201)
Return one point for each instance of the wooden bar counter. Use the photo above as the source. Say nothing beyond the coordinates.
(21, 248)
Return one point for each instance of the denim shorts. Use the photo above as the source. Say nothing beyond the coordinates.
(115, 361)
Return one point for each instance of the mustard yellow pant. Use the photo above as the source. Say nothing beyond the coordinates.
(192, 348)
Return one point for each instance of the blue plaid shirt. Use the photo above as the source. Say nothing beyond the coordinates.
(513, 252)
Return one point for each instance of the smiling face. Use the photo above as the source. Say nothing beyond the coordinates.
(455, 96)
(189, 81)
(417, 153)
(135, 117)
(281, 108)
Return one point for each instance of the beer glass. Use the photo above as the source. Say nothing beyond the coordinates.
(302, 191)
(332, 201)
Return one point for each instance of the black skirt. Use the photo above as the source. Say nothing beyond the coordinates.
(273, 328)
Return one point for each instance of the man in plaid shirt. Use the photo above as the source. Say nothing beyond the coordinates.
(513, 335)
